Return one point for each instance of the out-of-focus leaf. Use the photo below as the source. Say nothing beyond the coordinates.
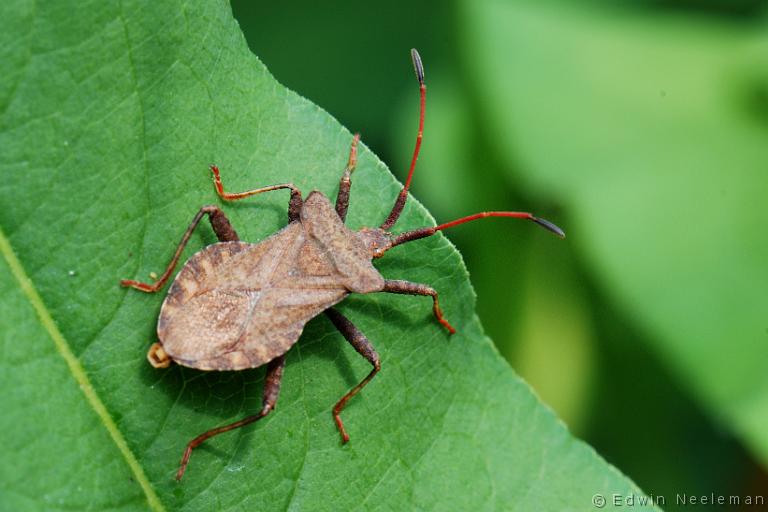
(652, 130)
(554, 349)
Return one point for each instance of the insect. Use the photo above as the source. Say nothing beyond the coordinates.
(237, 305)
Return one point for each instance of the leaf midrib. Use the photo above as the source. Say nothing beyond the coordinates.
(77, 371)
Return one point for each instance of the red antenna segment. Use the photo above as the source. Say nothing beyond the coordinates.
(397, 209)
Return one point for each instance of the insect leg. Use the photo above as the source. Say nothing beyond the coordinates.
(294, 203)
(342, 200)
(364, 347)
(409, 288)
(221, 226)
(271, 392)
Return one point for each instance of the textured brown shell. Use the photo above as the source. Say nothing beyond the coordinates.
(237, 305)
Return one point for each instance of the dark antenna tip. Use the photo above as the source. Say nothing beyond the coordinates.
(417, 65)
(549, 226)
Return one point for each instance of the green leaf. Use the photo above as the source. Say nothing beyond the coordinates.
(110, 115)
(651, 129)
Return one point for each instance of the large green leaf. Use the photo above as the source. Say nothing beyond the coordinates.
(110, 115)
(652, 130)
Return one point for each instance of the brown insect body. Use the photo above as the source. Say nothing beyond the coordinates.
(238, 305)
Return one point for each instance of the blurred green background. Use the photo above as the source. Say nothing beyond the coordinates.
(641, 128)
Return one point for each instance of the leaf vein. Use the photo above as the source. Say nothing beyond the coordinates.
(77, 371)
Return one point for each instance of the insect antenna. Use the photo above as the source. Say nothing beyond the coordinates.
(416, 234)
(401, 198)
